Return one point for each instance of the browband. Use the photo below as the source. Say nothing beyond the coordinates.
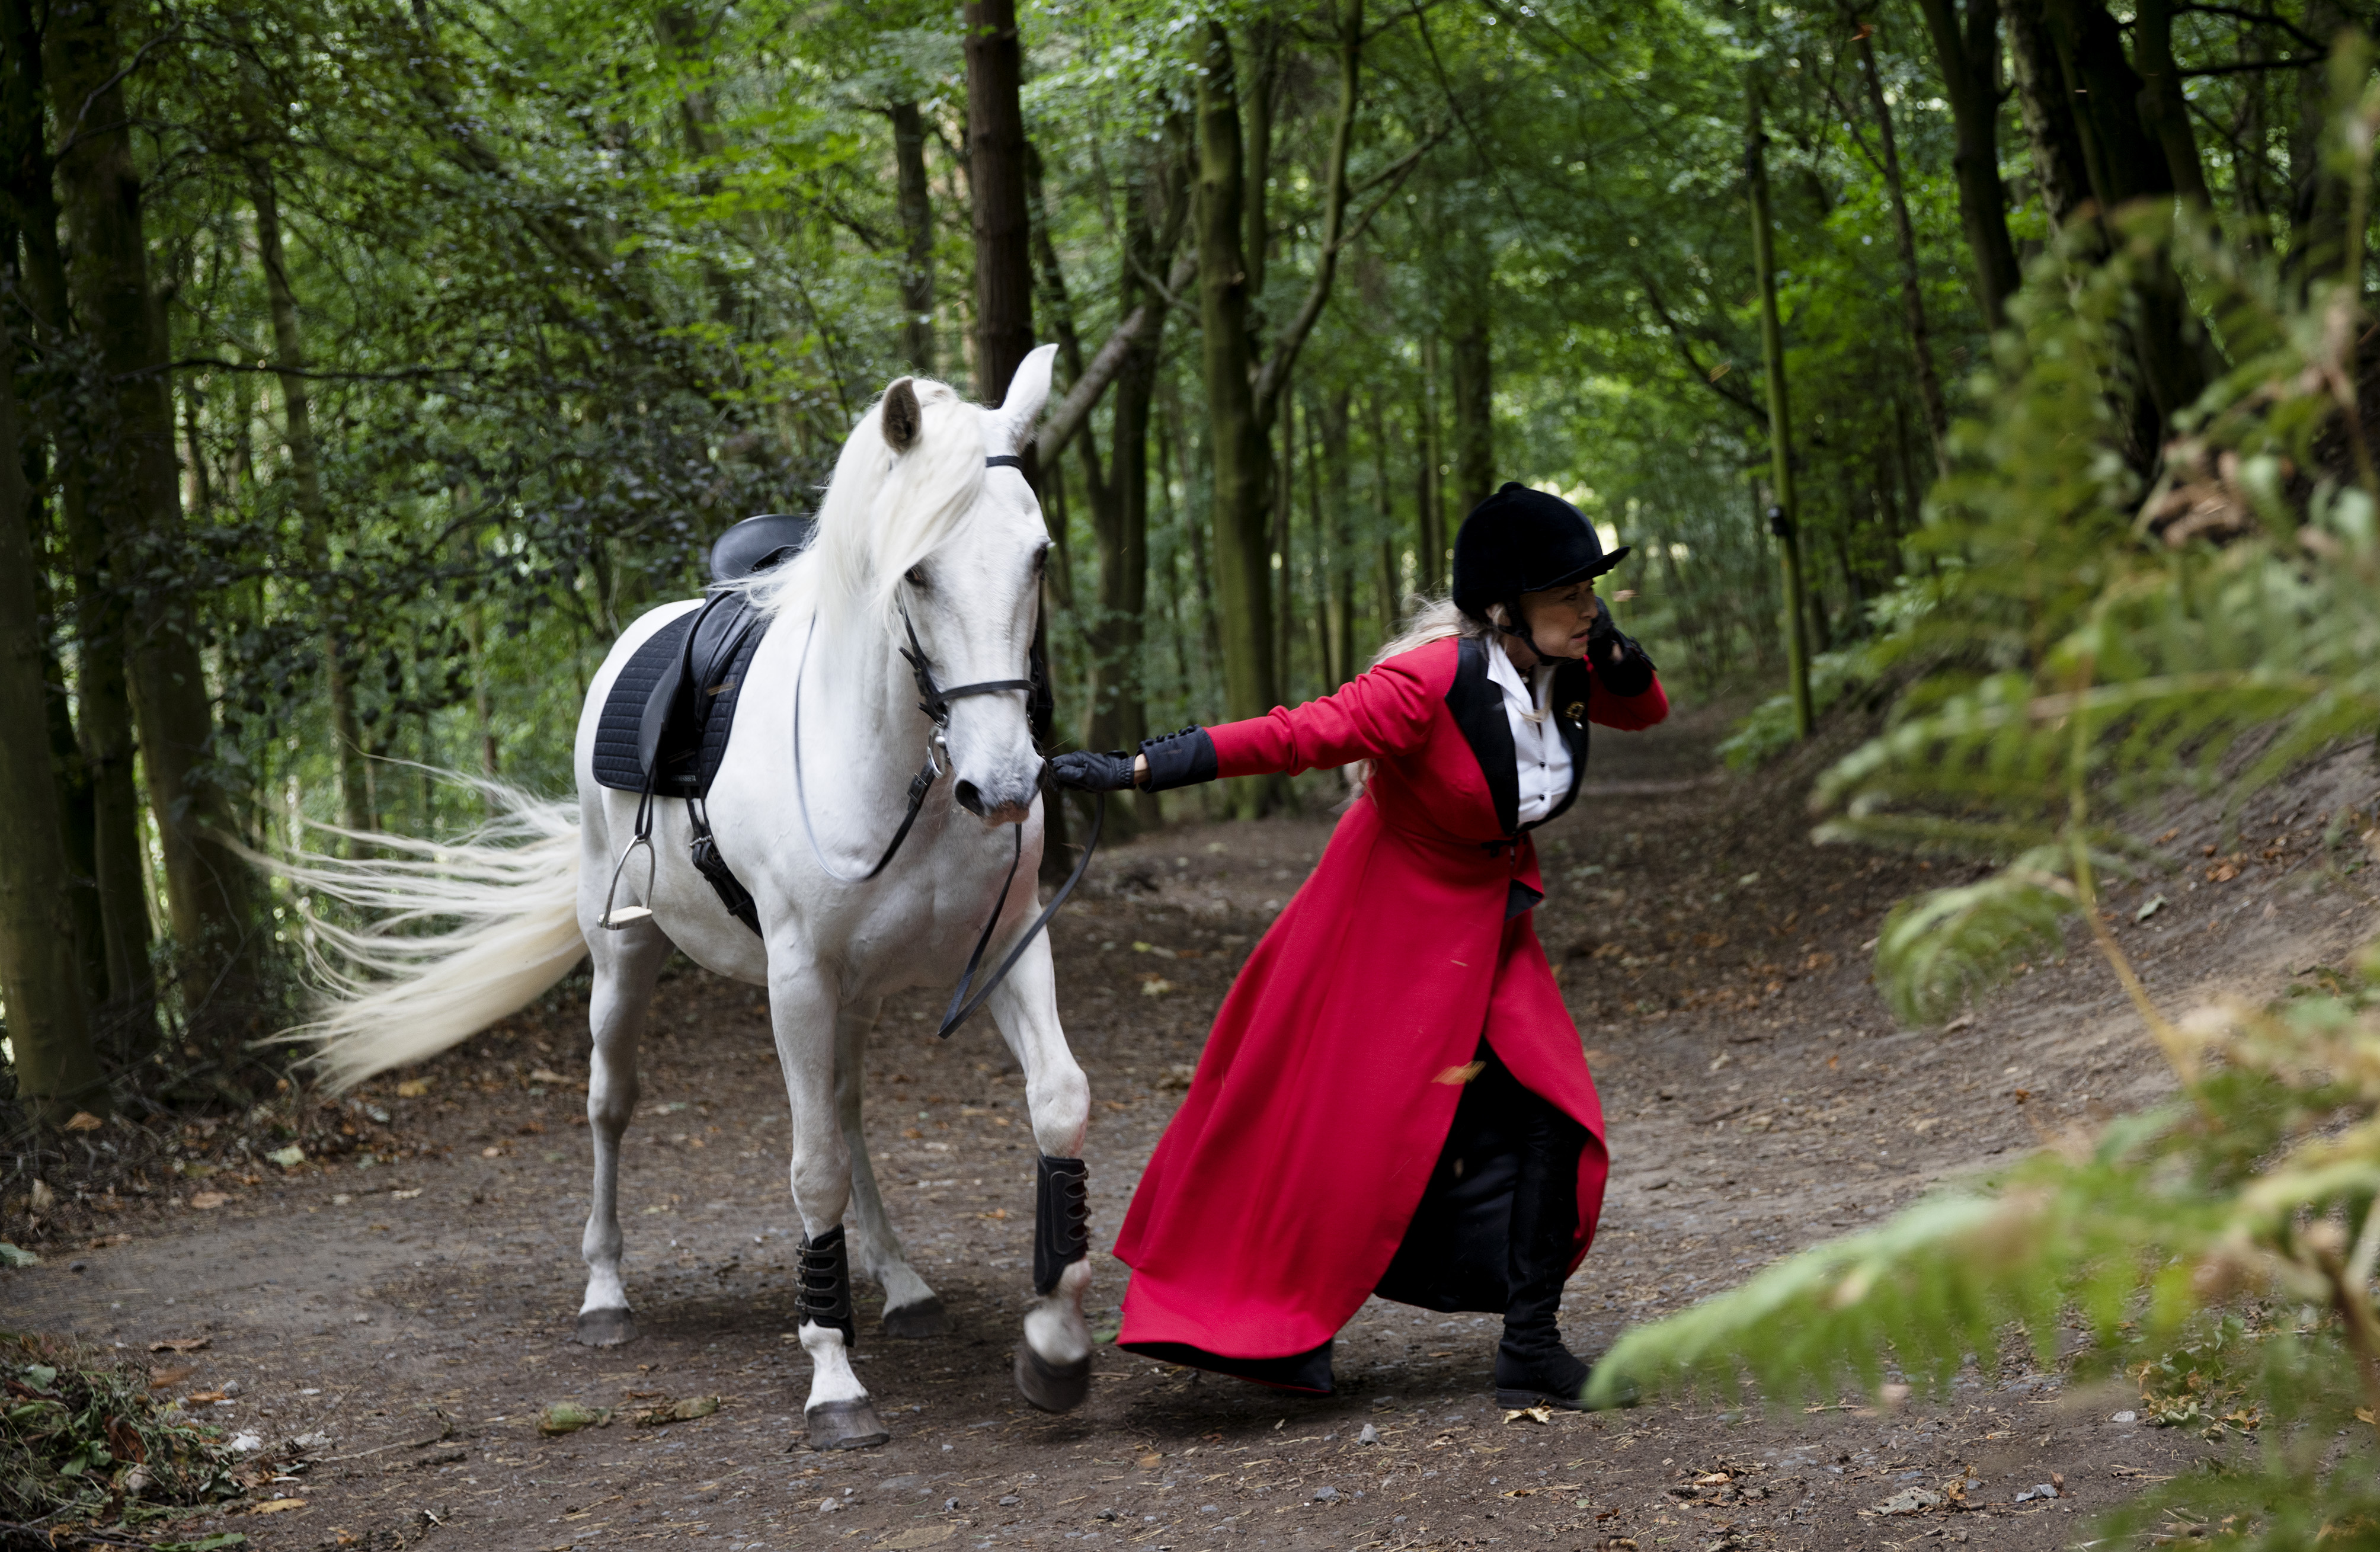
(1003, 460)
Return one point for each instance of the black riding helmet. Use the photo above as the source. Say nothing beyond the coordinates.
(1520, 540)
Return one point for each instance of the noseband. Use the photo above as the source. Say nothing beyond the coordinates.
(935, 702)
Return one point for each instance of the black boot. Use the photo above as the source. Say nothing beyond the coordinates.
(1533, 1368)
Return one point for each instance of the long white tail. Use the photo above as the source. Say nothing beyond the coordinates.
(464, 933)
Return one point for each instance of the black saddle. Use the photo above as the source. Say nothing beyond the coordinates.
(665, 722)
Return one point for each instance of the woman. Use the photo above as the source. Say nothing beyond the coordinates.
(1395, 1099)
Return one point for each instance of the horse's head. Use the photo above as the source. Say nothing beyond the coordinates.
(973, 594)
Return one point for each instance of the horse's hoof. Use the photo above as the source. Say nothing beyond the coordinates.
(926, 1317)
(1052, 1387)
(846, 1425)
(606, 1328)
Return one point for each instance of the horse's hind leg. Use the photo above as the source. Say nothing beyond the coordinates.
(626, 964)
(911, 1308)
(1053, 1364)
(838, 1414)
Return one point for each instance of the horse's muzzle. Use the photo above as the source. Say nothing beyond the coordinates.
(1002, 809)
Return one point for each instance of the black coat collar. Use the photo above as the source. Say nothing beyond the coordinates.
(1478, 709)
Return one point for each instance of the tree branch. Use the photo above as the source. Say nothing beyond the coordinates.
(1059, 427)
(1275, 373)
(1712, 378)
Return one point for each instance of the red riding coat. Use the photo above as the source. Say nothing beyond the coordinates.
(1287, 1182)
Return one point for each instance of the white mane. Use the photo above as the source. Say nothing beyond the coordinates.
(882, 513)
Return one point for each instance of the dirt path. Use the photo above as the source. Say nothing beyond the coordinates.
(412, 1300)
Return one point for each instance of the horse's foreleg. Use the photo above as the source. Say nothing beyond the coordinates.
(1054, 1364)
(803, 1010)
(911, 1308)
(626, 964)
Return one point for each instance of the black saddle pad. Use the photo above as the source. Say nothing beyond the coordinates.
(668, 715)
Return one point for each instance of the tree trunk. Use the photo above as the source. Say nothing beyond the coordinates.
(56, 1064)
(1474, 390)
(2047, 108)
(1784, 517)
(1913, 289)
(78, 814)
(1264, 84)
(1430, 490)
(1284, 556)
(1335, 523)
(1391, 577)
(1243, 488)
(1003, 262)
(306, 477)
(1968, 52)
(917, 229)
(2164, 111)
(210, 890)
(104, 724)
(1120, 512)
(2318, 198)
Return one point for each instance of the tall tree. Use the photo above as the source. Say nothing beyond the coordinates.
(49, 1023)
(1784, 515)
(306, 484)
(1475, 380)
(1967, 49)
(917, 236)
(210, 890)
(996, 152)
(1904, 236)
(103, 723)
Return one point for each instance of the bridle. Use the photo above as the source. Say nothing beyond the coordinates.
(934, 700)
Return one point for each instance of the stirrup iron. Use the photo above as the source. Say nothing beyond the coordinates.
(613, 920)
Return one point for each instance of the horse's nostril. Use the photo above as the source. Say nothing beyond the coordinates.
(969, 797)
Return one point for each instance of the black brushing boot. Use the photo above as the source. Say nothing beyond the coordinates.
(1533, 1368)
(825, 1300)
(1061, 1236)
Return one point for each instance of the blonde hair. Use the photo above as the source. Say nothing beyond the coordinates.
(1428, 618)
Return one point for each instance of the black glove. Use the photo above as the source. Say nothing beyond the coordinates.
(1633, 673)
(1090, 770)
(1180, 760)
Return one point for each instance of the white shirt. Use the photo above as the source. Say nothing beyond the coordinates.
(1540, 758)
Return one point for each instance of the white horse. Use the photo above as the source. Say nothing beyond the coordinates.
(918, 529)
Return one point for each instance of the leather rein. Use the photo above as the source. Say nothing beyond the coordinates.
(934, 700)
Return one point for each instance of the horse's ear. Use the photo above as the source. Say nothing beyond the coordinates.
(903, 418)
(1027, 392)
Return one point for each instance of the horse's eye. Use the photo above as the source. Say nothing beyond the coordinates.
(917, 577)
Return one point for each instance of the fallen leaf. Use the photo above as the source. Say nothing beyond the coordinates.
(404, 1196)
(568, 1417)
(547, 1075)
(13, 1255)
(83, 1120)
(997, 1214)
(1910, 1500)
(1539, 1414)
(1151, 1460)
(166, 1379)
(413, 1088)
(207, 1201)
(276, 1506)
(1155, 986)
(288, 1158)
(1462, 1074)
(203, 1397)
(686, 1411)
(2149, 908)
(181, 1344)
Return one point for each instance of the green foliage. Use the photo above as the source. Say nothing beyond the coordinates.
(2218, 1251)
(1767, 731)
(82, 1438)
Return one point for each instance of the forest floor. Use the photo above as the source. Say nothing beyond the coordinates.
(406, 1309)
